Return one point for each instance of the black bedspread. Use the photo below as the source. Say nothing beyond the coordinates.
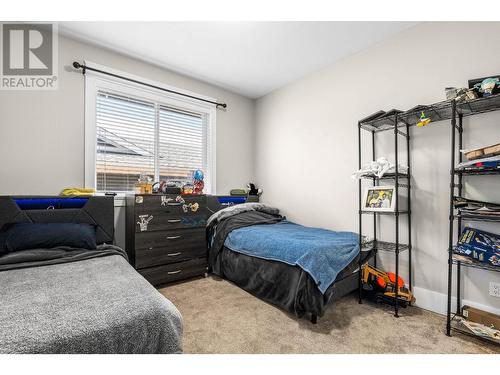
(218, 231)
(58, 255)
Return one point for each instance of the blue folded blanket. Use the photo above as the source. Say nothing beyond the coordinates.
(319, 252)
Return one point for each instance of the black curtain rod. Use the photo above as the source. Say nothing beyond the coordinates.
(84, 68)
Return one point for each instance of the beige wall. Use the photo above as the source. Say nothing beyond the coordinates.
(306, 142)
(42, 132)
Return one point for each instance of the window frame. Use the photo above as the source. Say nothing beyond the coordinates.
(95, 82)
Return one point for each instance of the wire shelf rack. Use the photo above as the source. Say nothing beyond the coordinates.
(439, 111)
(384, 246)
(468, 262)
(405, 212)
(390, 176)
(477, 171)
(486, 218)
(387, 176)
(457, 326)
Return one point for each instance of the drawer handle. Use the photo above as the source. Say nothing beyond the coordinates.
(173, 204)
(173, 237)
(174, 254)
(174, 272)
(174, 220)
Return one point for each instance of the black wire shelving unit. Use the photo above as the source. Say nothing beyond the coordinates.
(400, 122)
(379, 122)
(458, 112)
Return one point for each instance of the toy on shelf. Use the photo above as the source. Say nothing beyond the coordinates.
(383, 284)
(424, 120)
(488, 86)
(461, 94)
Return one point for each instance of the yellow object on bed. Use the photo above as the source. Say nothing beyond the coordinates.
(78, 192)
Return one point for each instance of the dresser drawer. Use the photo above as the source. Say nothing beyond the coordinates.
(160, 221)
(170, 204)
(175, 271)
(163, 247)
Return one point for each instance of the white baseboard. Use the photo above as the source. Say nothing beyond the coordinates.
(436, 302)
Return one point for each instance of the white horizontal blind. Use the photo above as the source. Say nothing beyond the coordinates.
(125, 141)
(182, 144)
(136, 136)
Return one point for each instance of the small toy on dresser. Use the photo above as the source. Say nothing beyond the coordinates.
(144, 184)
(198, 183)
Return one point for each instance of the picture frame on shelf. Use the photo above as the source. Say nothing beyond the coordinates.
(380, 199)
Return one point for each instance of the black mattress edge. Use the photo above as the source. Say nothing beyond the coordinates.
(286, 286)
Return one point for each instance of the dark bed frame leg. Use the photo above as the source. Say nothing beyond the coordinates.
(314, 319)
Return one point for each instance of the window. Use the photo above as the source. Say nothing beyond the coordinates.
(132, 130)
(125, 137)
(180, 143)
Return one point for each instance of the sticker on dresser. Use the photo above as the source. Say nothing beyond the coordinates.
(166, 200)
(193, 221)
(193, 207)
(144, 221)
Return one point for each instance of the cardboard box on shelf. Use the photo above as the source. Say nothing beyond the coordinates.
(483, 317)
(492, 150)
(482, 152)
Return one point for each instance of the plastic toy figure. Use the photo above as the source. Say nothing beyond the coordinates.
(383, 285)
(198, 183)
(424, 120)
(487, 86)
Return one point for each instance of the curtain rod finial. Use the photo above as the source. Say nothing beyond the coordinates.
(77, 65)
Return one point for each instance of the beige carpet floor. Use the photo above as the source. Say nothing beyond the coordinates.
(219, 317)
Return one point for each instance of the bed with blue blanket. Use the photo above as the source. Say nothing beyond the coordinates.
(300, 269)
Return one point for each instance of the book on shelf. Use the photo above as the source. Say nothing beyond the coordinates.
(479, 245)
(489, 163)
(481, 330)
(468, 207)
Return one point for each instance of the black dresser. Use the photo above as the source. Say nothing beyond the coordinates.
(165, 236)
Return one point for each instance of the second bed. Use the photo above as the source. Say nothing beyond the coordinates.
(296, 268)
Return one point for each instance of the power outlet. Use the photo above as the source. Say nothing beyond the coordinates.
(494, 289)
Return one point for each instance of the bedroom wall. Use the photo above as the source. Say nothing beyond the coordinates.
(42, 132)
(306, 143)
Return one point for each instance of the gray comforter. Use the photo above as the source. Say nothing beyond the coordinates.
(82, 302)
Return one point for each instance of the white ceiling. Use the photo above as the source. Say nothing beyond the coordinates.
(250, 58)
